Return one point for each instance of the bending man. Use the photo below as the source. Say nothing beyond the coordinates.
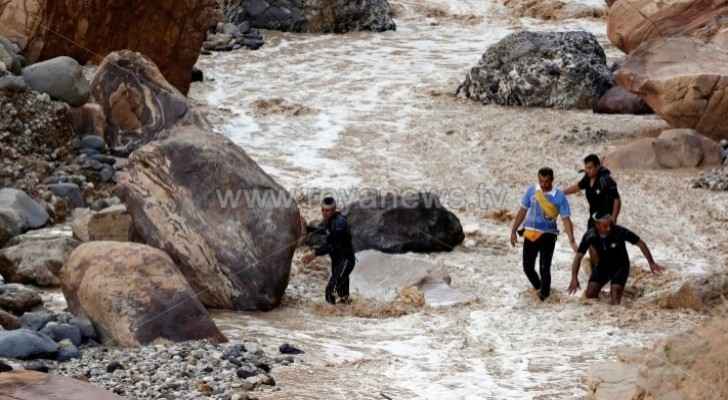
(608, 240)
(339, 247)
(540, 207)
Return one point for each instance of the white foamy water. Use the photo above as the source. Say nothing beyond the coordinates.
(383, 117)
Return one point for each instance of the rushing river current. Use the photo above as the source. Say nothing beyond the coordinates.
(375, 110)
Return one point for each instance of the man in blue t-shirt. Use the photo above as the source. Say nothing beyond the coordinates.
(540, 207)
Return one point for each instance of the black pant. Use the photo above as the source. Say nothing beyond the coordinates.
(339, 280)
(544, 249)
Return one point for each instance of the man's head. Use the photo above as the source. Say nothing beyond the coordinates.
(546, 179)
(603, 223)
(328, 207)
(592, 165)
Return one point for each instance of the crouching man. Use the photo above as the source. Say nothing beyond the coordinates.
(608, 241)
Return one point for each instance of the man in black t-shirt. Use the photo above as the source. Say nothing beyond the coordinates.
(609, 242)
(600, 189)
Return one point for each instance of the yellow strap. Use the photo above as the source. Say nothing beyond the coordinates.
(532, 236)
(549, 209)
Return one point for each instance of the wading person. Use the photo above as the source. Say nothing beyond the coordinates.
(339, 248)
(600, 189)
(540, 207)
(608, 240)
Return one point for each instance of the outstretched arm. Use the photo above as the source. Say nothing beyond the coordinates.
(574, 285)
(572, 189)
(516, 223)
(654, 267)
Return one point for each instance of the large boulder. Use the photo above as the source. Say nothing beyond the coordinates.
(36, 262)
(136, 98)
(633, 22)
(383, 277)
(564, 70)
(674, 148)
(400, 224)
(18, 213)
(31, 385)
(230, 227)
(61, 77)
(26, 344)
(338, 16)
(684, 80)
(169, 32)
(134, 294)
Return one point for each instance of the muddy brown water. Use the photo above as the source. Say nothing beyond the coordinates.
(378, 112)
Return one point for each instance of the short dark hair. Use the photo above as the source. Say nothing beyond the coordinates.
(592, 158)
(546, 172)
(328, 201)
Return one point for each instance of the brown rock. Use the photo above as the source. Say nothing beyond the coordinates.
(686, 297)
(134, 294)
(8, 321)
(18, 298)
(684, 81)
(194, 195)
(89, 119)
(617, 100)
(113, 223)
(36, 262)
(31, 385)
(138, 102)
(554, 9)
(678, 148)
(169, 32)
(633, 22)
(636, 155)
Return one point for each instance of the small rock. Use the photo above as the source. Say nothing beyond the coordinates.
(113, 366)
(70, 192)
(61, 77)
(59, 332)
(67, 351)
(8, 321)
(37, 366)
(35, 320)
(289, 349)
(18, 298)
(93, 142)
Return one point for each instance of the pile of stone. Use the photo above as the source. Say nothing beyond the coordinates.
(228, 37)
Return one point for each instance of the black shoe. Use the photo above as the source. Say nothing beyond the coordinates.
(542, 297)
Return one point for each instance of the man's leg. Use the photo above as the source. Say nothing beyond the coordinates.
(593, 290)
(547, 243)
(530, 251)
(342, 285)
(331, 286)
(615, 293)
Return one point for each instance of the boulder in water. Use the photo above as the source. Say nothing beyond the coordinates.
(564, 70)
(400, 224)
(228, 225)
(337, 16)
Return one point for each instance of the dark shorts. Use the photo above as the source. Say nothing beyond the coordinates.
(617, 276)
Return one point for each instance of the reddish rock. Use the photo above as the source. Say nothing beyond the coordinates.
(617, 100)
(684, 80)
(169, 32)
(31, 385)
(633, 22)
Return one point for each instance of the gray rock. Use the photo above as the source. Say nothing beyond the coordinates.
(93, 142)
(13, 84)
(86, 327)
(565, 70)
(35, 320)
(70, 192)
(59, 331)
(9, 59)
(18, 298)
(67, 351)
(36, 261)
(61, 77)
(30, 213)
(26, 344)
(312, 16)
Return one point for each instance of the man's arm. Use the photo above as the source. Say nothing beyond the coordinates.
(572, 189)
(616, 208)
(517, 223)
(569, 228)
(654, 267)
(574, 285)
